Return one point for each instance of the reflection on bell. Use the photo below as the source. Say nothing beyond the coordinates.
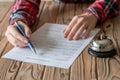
(102, 47)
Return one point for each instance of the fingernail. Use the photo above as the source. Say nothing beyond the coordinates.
(16, 45)
(74, 38)
(83, 37)
(65, 36)
(25, 45)
(69, 38)
(64, 30)
(28, 35)
(25, 41)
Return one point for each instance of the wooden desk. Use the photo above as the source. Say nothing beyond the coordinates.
(85, 67)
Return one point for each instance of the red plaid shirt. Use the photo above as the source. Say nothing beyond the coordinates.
(27, 10)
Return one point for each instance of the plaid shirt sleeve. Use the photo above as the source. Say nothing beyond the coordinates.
(74, 1)
(27, 10)
(24, 10)
(104, 9)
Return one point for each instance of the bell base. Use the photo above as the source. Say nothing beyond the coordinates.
(102, 54)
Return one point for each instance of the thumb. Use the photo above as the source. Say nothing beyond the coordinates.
(26, 28)
(27, 31)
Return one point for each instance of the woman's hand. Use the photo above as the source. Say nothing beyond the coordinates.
(80, 26)
(15, 37)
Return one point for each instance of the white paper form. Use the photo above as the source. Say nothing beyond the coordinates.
(51, 46)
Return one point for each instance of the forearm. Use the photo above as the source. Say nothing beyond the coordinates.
(24, 10)
(104, 9)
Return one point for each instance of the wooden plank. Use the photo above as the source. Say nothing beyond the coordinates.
(116, 33)
(21, 70)
(108, 68)
(4, 23)
(50, 14)
(83, 68)
(30, 71)
(6, 0)
(57, 73)
(52, 73)
(69, 13)
(4, 8)
(60, 19)
(8, 68)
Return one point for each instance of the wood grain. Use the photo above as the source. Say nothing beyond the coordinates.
(85, 67)
(4, 8)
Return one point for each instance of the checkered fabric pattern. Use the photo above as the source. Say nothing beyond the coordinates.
(27, 10)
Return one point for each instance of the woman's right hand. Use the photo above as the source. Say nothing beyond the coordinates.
(15, 37)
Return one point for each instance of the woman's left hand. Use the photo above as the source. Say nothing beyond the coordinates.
(80, 26)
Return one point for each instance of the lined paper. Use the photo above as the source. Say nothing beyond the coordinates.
(51, 46)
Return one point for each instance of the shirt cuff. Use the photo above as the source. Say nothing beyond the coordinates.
(16, 18)
(94, 12)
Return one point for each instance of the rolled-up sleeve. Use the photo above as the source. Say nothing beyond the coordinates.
(104, 9)
(24, 10)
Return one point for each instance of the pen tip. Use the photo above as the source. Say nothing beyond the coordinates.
(34, 51)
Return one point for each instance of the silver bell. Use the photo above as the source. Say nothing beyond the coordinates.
(102, 47)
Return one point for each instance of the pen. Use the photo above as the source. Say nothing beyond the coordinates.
(30, 45)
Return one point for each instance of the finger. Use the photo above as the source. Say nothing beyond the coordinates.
(14, 31)
(26, 29)
(15, 42)
(80, 32)
(68, 29)
(64, 30)
(86, 34)
(74, 30)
